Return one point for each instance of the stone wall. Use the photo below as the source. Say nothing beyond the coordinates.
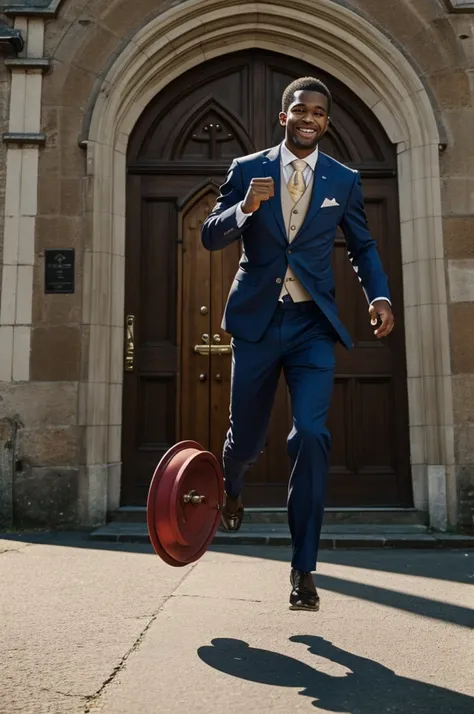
(82, 42)
(6, 463)
(442, 47)
(4, 112)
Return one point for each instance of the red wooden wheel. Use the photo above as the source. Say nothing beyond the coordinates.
(184, 503)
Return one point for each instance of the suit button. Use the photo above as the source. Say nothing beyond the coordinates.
(295, 210)
(278, 280)
(289, 252)
(293, 228)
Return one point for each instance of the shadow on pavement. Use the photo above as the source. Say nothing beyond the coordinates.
(424, 564)
(414, 562)
(425, 607)
(368, 688)
(447, 565)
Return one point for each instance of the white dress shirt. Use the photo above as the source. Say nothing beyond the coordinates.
(286, 158)
(287, 172)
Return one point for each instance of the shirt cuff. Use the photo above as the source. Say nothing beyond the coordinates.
(240, 216)
(381, 298)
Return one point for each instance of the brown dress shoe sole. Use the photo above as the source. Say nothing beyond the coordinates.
(308, 608)
(231, 521)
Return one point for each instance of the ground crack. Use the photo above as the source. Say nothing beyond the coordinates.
(12, 550)
(64, 694)
(92, 699)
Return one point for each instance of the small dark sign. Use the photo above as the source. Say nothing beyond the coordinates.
(59, 270)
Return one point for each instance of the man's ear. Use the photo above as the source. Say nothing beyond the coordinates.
(283, 117)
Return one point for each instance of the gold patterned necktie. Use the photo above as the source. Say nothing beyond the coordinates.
(296, 184)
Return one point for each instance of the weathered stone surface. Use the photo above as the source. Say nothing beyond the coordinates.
(40, 404)
(461, 318)
(121, 17)
(55, 353)
(76, 36)
(57, 446)
(46, 497)
(463, 398)
(5, 79)
(458, 159)
(93, 491)
(88, 47)
(49, 186)
(85, 341)
(58, 232)
(71, 197)
(465, 484)
(49, 125)
(7, 438)
(73, 157)
(451, 88)
(458, 236)
(437, 47)
(461, 280)
(56, 29)
(396, 19)
(437, 497)
(458, 195)
(72, 84)
(464, 444)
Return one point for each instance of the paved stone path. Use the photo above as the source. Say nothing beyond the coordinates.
(90, 627)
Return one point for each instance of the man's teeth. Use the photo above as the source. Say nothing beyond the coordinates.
(307, 131)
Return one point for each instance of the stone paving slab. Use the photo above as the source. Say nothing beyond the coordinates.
(68, 616)
(108, 628)
(224, 642)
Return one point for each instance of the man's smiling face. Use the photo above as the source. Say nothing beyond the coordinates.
(306, 122)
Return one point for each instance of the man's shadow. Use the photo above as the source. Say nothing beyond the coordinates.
(368, 688)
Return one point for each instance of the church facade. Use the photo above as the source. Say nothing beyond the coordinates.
(119, 121)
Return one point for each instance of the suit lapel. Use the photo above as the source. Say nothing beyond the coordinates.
(321, 189)
(271, 167)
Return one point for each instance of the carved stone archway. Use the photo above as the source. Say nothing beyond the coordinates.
(347, 46)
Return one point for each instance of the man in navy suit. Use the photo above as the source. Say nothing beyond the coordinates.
(285, 204)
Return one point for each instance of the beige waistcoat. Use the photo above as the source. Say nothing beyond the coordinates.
(293, 217)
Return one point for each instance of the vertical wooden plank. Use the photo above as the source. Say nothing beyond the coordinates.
(196, 322)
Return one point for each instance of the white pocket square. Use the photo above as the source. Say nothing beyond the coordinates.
(328, 202)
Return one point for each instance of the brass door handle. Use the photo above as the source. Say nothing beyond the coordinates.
(213, 349)
(130, 343)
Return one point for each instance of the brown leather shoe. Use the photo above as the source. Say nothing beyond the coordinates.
(304, 595)
(232, 513)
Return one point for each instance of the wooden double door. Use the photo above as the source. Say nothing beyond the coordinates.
(177, 376)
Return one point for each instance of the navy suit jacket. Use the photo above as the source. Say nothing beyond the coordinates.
(266, 254)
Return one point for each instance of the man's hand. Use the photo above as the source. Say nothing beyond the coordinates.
(382, 309)
(260, 189)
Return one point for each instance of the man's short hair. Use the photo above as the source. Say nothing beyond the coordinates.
(307, 84)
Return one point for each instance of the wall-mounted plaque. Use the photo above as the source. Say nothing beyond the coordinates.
(59, 271)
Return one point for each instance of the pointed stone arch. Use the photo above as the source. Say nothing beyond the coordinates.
(345, 45)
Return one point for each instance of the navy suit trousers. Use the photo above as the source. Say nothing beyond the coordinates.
(301, 341)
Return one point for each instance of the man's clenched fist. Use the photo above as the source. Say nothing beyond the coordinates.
(260, 189)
